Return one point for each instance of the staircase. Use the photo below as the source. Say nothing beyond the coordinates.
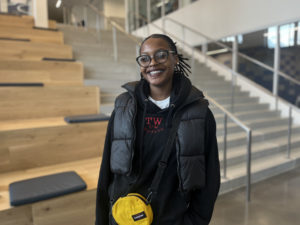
(269, 136)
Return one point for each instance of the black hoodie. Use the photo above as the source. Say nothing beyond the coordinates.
(170, 206)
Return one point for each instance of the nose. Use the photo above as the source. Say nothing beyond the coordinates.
(152, 60)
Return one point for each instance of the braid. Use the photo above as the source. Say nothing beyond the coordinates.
(182, 67)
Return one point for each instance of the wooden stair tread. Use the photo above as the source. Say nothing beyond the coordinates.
(33, 50)
(10, 125)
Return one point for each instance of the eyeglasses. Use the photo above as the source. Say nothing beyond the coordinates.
(160, 56)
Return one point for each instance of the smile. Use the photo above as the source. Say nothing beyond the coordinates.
(155, 72)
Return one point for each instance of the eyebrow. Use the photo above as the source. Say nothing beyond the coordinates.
(156, 51)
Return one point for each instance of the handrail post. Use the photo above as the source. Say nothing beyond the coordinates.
(64, 14)
(148, 15)
(98, 25)
(225, 147)
(85, 17)
(163, 13)
(126, 3)
(233, 84)
(289, 133)
(234, 69)
(183, 37)
(193, 62)
(248, 185)
(235, 54)
(136, 3)
(115, 45)
(137, 52)
(204, 50)
(276, 66)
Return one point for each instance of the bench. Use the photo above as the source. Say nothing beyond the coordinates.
(21, 21)
(20, 50)
(16, 21)
(47, 72)
(73, 209)
(34, 35)
(35, 142)
(40, 147)
(50, 101)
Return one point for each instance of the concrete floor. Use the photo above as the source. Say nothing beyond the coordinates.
(275, 201)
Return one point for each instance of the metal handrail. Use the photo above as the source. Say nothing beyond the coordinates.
(249, 143)
(286, 76)
(113, 23)
(259, 63)
(255, 61)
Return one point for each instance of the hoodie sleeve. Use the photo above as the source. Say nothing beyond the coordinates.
(105, 175)
(202, 201)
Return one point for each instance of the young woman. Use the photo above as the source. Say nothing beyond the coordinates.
(136, 136)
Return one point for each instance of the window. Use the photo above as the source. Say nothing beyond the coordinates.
(287, 35)
(231, 39)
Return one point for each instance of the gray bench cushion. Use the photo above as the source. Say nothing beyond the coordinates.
(45, 187)
(87, 118)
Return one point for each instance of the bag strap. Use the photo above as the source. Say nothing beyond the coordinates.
(162, 164)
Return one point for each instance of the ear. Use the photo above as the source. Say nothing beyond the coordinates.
(176, 59)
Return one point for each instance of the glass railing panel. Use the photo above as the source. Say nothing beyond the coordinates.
(259, 45)
(256, 73)
(289, 91)
(289, 61)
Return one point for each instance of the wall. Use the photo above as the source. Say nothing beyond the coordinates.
(114, 8)
(221, 18)
(3, 6)
(111, 8)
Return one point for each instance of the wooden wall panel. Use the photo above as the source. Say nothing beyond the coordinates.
(52, 24)
(33, 51)
(16, 21)
(17, 216)
(52, 101)
(36, 147)
(73, 209)
(35, 35)
(47, 72)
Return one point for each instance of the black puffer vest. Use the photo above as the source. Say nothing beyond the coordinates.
(189, 141)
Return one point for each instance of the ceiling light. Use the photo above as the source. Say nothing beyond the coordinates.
(58, 3)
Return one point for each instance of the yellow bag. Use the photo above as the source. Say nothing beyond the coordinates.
(133, 209)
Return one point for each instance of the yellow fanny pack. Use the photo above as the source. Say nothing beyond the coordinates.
(133, 209)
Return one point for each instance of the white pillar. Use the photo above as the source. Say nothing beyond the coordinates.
(40, 13)
(3, 6)
(235, 49)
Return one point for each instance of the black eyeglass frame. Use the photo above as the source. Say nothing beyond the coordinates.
(161, 50)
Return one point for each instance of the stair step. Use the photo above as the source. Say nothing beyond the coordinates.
(238, 154)
(242, 107)
(260, 168)
(258, 135)
(249, 115)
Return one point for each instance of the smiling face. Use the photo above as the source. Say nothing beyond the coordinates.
(159, 75)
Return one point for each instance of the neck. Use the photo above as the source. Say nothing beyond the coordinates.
(160, 93)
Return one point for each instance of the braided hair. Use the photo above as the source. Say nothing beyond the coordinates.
(182, 67)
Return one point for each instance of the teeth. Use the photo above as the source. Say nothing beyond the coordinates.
(155, 72)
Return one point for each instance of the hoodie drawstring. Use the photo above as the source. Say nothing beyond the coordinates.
(169, 117)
